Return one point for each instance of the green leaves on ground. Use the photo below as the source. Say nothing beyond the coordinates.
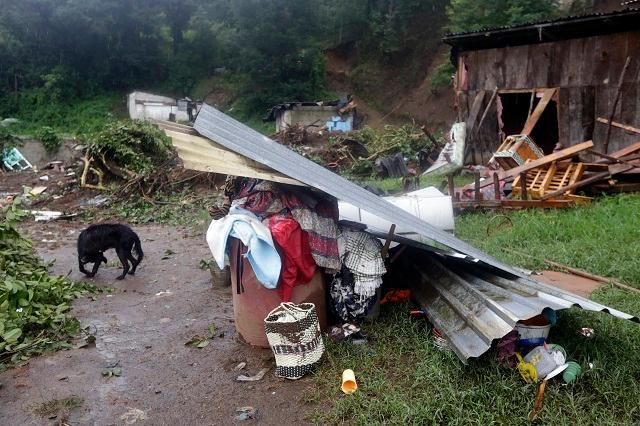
(203, 342)
(34, 306)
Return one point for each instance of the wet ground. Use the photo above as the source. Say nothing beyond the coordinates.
(142, 327)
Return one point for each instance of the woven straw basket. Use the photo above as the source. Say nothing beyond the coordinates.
(294, 335)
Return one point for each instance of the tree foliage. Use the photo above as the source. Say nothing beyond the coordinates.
(470, 15)
(52, 51)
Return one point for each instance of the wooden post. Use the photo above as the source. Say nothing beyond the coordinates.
(478, 195)
(533, 96)
(385, 248)
(523, 186)
(452, 188)
(496, 186)
(457, 196)
(484, 115)
(615, 103)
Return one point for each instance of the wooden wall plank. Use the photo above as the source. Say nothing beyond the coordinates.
(589, 61)
(564, 121)
(540, 65)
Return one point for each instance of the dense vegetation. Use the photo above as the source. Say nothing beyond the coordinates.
(53, 52)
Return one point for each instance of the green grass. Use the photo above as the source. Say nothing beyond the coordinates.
(602, 238)
(404, 379)
(394, 185)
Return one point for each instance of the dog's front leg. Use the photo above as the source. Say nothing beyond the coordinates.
(95, 269)
(81, 267)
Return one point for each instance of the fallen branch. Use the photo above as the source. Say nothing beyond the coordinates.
(374, 155)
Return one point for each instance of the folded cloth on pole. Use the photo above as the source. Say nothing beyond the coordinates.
(262, 254)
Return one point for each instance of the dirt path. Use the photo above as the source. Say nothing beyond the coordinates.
(163, 381)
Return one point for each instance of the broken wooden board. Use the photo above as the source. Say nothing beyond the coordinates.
(613, 170)
(513, 204)
(198, 153)
(631, 149)
(537, 113)
(563, 154)
(620, 125)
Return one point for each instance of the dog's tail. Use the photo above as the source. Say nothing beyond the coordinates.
(138, 248)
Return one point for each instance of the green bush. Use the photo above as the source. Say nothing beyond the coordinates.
(7, 140)
(49, 139)
(442, 77)
(132, 144)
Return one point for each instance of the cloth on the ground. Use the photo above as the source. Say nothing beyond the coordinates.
(292, 242)
(349, 305)
(262, 254)
(347, 331)
(396, 296)
(361, 255)
(317, 215)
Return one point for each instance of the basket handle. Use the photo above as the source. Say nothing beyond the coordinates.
(289, 307)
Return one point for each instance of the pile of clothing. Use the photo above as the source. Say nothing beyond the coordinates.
(354, 291)
(286, 230)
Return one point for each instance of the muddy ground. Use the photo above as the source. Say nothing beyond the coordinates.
(142, 326)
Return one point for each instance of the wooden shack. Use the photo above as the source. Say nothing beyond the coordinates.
(555, 80)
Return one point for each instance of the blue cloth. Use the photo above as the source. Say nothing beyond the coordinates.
(262, 254)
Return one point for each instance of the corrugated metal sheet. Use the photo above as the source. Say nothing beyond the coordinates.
(472, 299)
(549, 22)
(473, 307)
(546, 30)
(239, 138)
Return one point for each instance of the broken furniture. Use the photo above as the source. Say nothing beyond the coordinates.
(544, 180)
(14, 160)
(516, 150)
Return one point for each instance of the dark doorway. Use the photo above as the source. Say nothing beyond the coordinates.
(515, 110)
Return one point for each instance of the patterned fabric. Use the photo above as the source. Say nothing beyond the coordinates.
(294, 335)
(349, 305)
(363, 259)
(316, 214)
(362, 254)
(354, 290)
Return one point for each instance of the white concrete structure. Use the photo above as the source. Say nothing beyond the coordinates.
(143, 106)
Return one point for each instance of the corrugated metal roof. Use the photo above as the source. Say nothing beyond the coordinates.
(239, 138)
(546, 30)
(473, 307)
(472, 299)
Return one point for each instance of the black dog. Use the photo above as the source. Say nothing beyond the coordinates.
(96, 239)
